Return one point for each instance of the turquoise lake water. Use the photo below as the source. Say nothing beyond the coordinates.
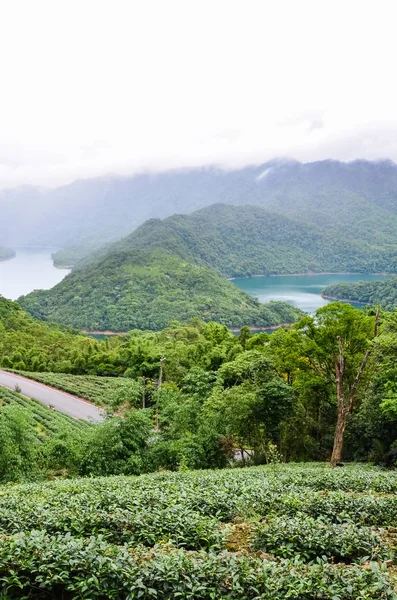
(303, 291)
(32, 268)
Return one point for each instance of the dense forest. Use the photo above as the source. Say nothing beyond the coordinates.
(209, 393)
(6, 253)
(26, 343)
(144, 289)
(167, 270)
(383, 293)
(241, 241)
(353, 203)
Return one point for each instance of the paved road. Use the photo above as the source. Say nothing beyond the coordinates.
(65, 403)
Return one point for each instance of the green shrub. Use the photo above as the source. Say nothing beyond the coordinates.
(309, 538)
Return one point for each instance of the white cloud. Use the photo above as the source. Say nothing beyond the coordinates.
(90, 87)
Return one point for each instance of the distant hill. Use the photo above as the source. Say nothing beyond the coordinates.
(357, 200)
(6, 253)
(383, 293)
(247, 240)
(174, 269)
(147, 289)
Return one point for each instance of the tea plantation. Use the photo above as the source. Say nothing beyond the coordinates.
(277, 532)
(98, 390)
(42, 421)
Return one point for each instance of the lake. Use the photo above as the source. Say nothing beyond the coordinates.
(31, 269)
(302, 291)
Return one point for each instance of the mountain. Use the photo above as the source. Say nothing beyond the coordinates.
(356, 199)
(247, 240)
(6, 253)
(174, 269)
(147, 289)
(383, 293)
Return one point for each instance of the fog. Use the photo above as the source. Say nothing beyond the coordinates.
(97, 87)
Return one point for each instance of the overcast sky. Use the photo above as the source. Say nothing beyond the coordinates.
(93, 87)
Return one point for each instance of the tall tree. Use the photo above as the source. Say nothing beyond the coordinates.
(336, 345)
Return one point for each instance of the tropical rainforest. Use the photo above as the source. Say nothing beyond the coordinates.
(249, 240)
(146, 289)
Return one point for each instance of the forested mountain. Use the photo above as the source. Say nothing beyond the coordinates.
(357, 199)
(6, 253)
(247, 240)
(171, 269)
(383, 293)
(147, 289)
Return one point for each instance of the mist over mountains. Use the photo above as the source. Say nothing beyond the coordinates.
(357, 196)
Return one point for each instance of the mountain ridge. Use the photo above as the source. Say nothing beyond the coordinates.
(110, 207)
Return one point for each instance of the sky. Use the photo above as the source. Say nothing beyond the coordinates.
(90, 88)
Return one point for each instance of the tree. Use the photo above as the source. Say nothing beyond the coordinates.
(118, 445)
(249, 402)
(335, 344)
(346, 389)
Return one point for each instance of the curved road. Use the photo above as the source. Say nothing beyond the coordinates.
(65, 403)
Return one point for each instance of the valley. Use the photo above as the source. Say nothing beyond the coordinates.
(162, 447)
(33, 269)
(198, 300)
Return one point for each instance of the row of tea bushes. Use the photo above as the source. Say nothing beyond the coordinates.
(257, 533)
(36, 565)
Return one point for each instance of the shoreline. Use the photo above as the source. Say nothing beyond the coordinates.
(347, 300)
(308, 274)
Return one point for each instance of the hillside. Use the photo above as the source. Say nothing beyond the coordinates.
(29, 344)
(171, 269)
(247, 240)
(35, 440)
(43, 422)
(357, 199)
(143, 289)
(383, 293)
(6, 253)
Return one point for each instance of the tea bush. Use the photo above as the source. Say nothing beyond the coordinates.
(36, 565)
(98, 390)
(309, 538)
(169, 535)
(45, 421)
